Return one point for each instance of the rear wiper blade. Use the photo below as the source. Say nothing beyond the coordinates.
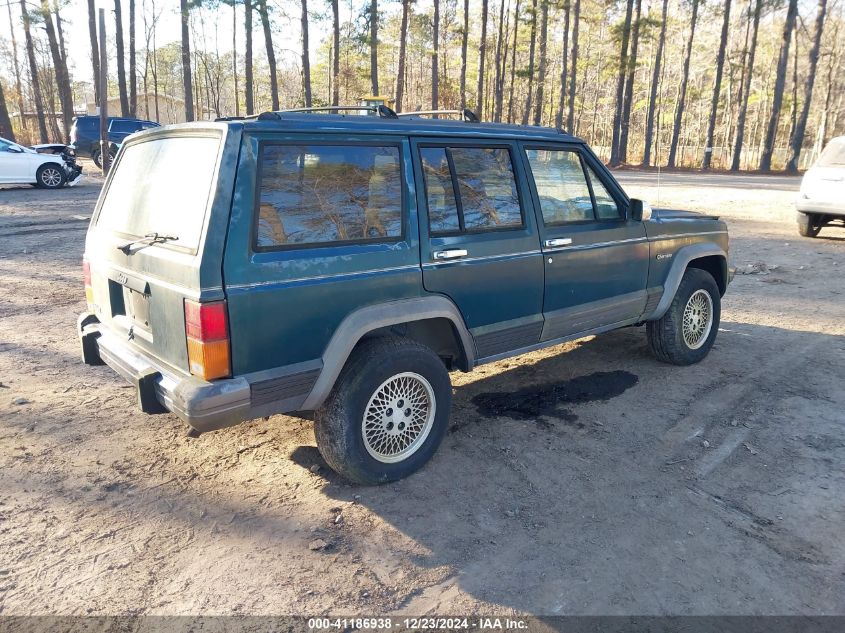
(149, 238)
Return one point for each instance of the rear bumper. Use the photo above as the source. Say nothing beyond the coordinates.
(803, 205)
(205, 406)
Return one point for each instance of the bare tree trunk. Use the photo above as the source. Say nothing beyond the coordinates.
(435, 57)
(16, 66)
(60, 68)
(95, 49)
(682, 96)
(564, 66)
(403, 42)
(6, 130)
(336, 48)
(625, 124)
(374, 46)
(780, 81)
(482, 54)
(33, 72)
(531, 47)
(235, 58)
(186, 63)
(306, 62)
(745, 89)
(464, 39)
(497, 83)
(249, 89)
(655, 84)
(513, 62)
(813, 57)
(620, 84)
(271, 54)
(541, 69)
(121, 62)
(717, 86)
(133, 65)
(570, 116)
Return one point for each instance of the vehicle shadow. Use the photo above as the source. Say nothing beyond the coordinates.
(563, 485)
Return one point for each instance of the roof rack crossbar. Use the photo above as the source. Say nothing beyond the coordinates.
(466, 114)
(382, 110)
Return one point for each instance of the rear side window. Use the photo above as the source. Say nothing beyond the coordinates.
(470, 189)
(162, 186)
(124, 127)
(319, 194)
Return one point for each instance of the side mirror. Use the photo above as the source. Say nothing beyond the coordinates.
(15, 149)
(638, 210)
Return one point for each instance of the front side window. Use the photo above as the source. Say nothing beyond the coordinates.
(313, 194)
(606, 207)
(470, 189)
(561, 185)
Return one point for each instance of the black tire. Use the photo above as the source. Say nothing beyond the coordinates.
(50, 176)
(808, 225)
(666, 335)
(97, 156)
(339, 422)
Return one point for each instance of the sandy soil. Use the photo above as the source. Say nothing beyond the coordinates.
(585, 479)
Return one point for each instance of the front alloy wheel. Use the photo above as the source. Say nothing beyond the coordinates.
(50, 176)
(685, 333)
(698, 319)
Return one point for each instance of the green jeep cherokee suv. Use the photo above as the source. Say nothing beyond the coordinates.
(339, 266)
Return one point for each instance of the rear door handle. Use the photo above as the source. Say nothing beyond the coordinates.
(559, 241)
(455, 253)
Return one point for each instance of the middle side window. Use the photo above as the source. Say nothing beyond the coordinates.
(470, 189)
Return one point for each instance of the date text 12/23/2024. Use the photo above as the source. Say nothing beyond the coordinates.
(417, 624)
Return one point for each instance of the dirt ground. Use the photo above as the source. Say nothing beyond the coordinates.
(584, 479)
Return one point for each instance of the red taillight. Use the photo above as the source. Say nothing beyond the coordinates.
(207, 334)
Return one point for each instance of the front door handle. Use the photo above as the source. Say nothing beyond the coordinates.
(559, 241)
(454, 253)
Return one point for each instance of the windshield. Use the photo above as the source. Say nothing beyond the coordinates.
(834, 154)
(162, 186)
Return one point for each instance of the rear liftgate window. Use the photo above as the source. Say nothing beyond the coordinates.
(162, 186)
(320, 194)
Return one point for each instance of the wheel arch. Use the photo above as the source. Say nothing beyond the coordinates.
(703, 256)
(433, 320)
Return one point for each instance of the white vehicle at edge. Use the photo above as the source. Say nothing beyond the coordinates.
(822, 197)
(25, 165)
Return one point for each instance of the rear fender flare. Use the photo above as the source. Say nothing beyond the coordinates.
(370, 318)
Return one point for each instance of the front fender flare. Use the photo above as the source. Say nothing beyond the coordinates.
(365, 320)
(680, 263)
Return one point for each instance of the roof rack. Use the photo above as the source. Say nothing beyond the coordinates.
(381, 110)
(466, 114)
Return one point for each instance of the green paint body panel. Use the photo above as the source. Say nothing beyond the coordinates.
(512, 290)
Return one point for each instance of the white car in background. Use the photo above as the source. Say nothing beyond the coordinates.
(47, 166)
(822, 197)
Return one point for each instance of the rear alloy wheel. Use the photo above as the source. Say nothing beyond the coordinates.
(387, 412)
(685, 333)
(808, 224)
(50, 176)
